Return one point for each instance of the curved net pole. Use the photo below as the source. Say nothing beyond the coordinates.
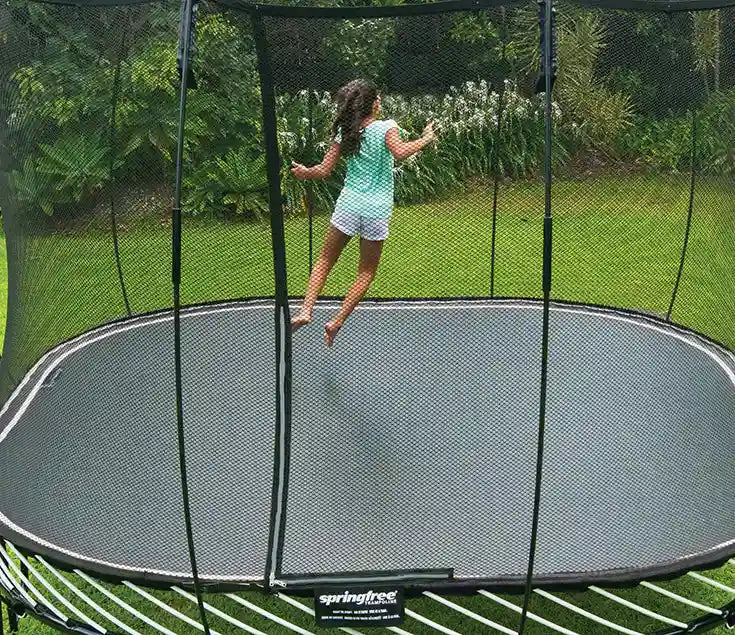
(685, 247)
(495, 161)
(309, 185)
(112, 141)
(184, 46)
(547, 33)
(282, 315)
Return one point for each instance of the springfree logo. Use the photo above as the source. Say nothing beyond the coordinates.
(368, 598)
(366, 605)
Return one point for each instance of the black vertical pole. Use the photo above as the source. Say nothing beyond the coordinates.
(692, 186)
(495, 166)
(496, 187)
(547, 52)
(309, 185)
(187, 17)
(282, 316)
(12, 620)
(111, 168)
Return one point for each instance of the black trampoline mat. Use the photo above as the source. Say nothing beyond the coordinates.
(413, 444)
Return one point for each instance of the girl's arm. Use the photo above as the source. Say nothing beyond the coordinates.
(404, 149)
(321, 171)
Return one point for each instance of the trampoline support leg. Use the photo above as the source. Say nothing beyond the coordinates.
(13, 619)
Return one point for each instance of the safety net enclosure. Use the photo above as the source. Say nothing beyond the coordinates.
(509, 404)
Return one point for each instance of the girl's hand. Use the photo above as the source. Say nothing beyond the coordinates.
(429, 134)
(299, 171)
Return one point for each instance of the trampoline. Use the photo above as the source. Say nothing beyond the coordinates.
(536, 397)
(410, 445)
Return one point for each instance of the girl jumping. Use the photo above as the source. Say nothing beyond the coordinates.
(365, 205)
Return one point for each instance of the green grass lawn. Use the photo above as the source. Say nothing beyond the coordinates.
(424, 606)
(617, 241)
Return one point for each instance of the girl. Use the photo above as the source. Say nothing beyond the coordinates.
(365, 204)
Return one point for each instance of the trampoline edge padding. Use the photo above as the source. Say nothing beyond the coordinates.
(434, 411)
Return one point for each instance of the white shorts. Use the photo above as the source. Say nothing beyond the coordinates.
(365, 226)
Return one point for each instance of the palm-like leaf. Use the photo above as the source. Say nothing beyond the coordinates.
(78, 166)
(33, 188)
(243, 181)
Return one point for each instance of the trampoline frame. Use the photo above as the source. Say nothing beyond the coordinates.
(25, 590)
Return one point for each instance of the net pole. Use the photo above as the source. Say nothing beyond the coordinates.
(186, 29)
(112, 139)
(282, 315)
(547, 253)
(309, 185)
(495, 166)
(690, 213)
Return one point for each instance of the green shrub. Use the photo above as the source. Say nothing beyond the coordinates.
(235, 183)
(716, 134)
(61, 104)
(66, 172)
(595, 114)
(664, 143)
(667, 143)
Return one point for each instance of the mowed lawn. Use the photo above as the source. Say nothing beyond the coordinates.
(617, 241)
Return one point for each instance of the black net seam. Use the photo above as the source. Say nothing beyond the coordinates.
(450, 6)
(83, 4)
(671, 6)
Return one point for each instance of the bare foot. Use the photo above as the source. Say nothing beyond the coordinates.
(299, 320)
(330, 331)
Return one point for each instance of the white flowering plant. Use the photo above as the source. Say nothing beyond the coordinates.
(483, 131)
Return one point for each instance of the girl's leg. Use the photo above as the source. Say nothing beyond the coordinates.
(334, 243)
(370, 252)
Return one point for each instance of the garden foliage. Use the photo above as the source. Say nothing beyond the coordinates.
(84, 118)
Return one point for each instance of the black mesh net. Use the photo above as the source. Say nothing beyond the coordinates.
(410, 444)
(90, 114)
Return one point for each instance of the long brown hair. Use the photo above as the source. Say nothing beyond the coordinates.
(354, 104)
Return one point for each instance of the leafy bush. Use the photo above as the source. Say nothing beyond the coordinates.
(663, 143)
(62, 103)
(62, 152)
(66, 172)
(61, 137)
(717, 134)
(667, 143)
(234, 183)
(361, 46)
